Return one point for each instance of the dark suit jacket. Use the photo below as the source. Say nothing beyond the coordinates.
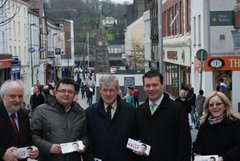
(7, 136)
(166, 131)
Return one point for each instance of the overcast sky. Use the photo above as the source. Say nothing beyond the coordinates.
(121, 1)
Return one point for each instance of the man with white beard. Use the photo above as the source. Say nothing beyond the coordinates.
(14, 123)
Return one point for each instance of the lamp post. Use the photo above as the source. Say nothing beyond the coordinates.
(31, 50)
(54, 72)
(160, 37)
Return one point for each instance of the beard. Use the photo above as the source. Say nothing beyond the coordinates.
(13, 108)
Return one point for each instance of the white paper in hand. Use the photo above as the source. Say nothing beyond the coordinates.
(72, 147)
(206, 158)
(138, 146)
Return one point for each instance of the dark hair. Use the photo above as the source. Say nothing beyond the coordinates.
(151, 74)
(66, 80)
(201, 92)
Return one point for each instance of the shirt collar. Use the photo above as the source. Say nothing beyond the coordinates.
(114, 106)
(158, 102)
(9, 114)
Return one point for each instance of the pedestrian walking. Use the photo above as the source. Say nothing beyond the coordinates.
(191, 98)
(199, 107)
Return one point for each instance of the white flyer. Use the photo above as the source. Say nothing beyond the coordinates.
(138, 146)
(206, 158)
(72, 147)
(23, 151)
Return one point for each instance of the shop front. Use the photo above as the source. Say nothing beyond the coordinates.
(226, 68)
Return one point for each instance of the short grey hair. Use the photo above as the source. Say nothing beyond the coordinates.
(8, 83)
(108, 79)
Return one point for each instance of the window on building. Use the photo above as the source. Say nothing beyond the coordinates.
(199, 30)
(194, 31)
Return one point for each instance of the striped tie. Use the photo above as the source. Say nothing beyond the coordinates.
(153, 108)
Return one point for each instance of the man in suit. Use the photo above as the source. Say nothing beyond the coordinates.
(162, 123)
(14, 123)
(110, 123)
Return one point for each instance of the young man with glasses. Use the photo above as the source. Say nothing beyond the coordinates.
(61, 120)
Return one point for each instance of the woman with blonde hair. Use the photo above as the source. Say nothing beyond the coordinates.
(219, 132)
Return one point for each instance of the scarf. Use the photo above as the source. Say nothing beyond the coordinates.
(217, 120)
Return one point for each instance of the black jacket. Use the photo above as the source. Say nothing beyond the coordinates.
(166, 131)
(7, 136)
(221, 139)
(109, 144)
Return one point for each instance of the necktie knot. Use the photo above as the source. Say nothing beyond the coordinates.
(13, 116)
(109, 108)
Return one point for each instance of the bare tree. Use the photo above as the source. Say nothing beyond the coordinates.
(136, 59)
(7, 12)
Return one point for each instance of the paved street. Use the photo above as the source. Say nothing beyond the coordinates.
(83, 101)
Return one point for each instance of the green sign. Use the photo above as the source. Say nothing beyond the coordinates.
(221, 18)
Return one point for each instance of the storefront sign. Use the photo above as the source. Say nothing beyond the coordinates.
(221, 18)
(213, 63)
(129, 81)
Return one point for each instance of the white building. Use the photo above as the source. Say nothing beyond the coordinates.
(109, 21)
(212, 24)
(147, 40)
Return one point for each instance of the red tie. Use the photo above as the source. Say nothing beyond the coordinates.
(14, 125)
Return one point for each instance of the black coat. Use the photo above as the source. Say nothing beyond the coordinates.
(221, 139)
(109, 144)
(7, 135)
(166, 131)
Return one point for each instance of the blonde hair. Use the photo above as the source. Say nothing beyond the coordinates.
(230, 114)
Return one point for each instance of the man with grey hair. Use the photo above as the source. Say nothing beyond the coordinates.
(15, 126)
(110, 122)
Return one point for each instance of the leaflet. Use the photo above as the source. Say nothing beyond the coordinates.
(206, 158)
(72, 147)
(138, 146)
(23, 152)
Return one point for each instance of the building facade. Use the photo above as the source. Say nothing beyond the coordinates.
(212, 28)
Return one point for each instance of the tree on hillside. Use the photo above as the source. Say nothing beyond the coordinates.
(5, 15)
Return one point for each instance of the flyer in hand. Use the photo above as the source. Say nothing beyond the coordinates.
(206, 158)
(72, 147)
(23, 152)
(138, 146)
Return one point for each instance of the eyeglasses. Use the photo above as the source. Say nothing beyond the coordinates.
(63, 91)
(216, 104)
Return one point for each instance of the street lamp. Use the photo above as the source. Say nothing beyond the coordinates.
(31, 50)
(54, 72)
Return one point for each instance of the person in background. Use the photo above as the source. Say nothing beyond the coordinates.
(135, 96)
(191, 98)
(183, 101)
(37, 98)
(14, 122)
(162, 123)
(89, 94)
(83, 87)
(129, 97)
(222, 86)
(199, 107)
(110, 123)
(219, 132)
(60, 120)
